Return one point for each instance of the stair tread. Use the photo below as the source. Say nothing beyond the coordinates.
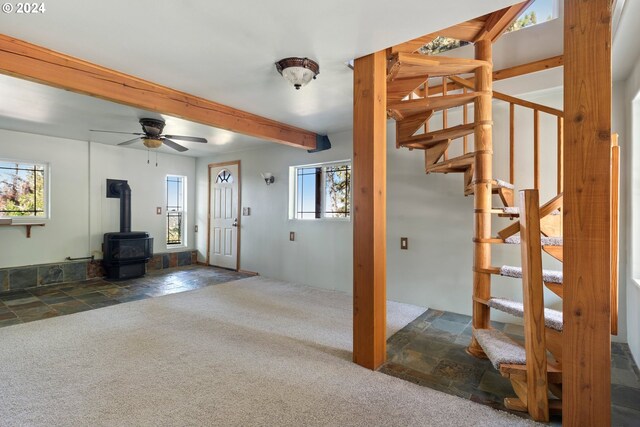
(544, 240)
(499, 348)
(515, 210)
(496, 185)
(408, 65)
(455, 164)
(411, 107)
(549, 276)
(552, 318)
(503, 184)
(430, 139)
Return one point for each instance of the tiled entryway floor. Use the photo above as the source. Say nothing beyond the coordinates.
(430, 351)
(51, 301)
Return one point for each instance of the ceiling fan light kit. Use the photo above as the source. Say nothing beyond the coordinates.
(151, 142)
(298, 71)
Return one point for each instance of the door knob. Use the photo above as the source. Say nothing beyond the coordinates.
(235, 222)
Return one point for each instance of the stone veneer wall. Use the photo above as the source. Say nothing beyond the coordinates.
(31, 276)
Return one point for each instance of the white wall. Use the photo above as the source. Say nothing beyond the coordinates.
(65, 234)
(322, 253)
(148, 191)
(80, 211)
(630, 156)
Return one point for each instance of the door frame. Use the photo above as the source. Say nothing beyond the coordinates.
(239, 209)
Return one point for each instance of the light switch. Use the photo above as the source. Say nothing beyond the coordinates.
(195, 227)
(292, 236)
(246, 211)
(159, 210)
(404, 243)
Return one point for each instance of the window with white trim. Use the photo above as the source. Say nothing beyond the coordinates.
(176, 210)
(24, 189)
(320, 191)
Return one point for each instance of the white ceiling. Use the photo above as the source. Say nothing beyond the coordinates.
(224, 51)
(220, 50)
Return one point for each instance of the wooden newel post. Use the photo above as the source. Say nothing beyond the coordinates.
(483, 148)
(369, 213)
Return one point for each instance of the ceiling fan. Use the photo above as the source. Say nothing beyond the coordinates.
(152, 136)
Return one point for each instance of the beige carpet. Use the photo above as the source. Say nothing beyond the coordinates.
(246, 353)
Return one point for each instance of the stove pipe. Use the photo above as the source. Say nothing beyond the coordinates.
(119, 189)
(125, 208)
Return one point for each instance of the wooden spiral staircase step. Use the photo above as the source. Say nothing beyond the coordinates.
(430, 139)
(410, 65)
(401, 109)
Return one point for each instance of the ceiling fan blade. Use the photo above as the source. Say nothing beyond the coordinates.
(174, 145)
(129, 142)
(186, 138)
(114, 131)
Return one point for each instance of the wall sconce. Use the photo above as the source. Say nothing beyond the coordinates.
(268, 177)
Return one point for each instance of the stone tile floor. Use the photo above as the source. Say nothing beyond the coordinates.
(430, 351)
(51, 301)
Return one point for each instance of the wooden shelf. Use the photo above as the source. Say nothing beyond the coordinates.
(28, 225)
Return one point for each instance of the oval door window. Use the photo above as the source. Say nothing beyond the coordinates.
(224, 176)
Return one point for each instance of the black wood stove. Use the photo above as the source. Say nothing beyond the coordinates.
(127, 252)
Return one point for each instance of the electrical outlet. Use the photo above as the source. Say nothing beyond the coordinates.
(158, 211)
(246, 211)
(292, 236)
(404, 243)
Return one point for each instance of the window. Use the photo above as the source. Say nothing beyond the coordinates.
(23, 189)
(540, 11)
(321, 191)
(176, 219)
(224, 176)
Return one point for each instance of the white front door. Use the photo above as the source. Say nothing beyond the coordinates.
(223, 243)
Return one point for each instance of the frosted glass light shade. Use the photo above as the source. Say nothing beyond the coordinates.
(152, 142)
(298, 71)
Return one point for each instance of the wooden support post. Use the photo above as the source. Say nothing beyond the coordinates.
(483, 148)
(533, 301)
(369, 219)
(536, 149)
(586, 351)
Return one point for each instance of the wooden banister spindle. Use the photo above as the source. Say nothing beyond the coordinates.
(560, 153)
(615, 193)
(465, 120)
(536, 149)
(445, 115)
(512, 145)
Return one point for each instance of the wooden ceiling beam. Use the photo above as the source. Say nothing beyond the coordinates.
(501, 20)
(31, 62)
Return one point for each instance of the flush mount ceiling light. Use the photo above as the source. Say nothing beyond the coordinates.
(299, 71)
